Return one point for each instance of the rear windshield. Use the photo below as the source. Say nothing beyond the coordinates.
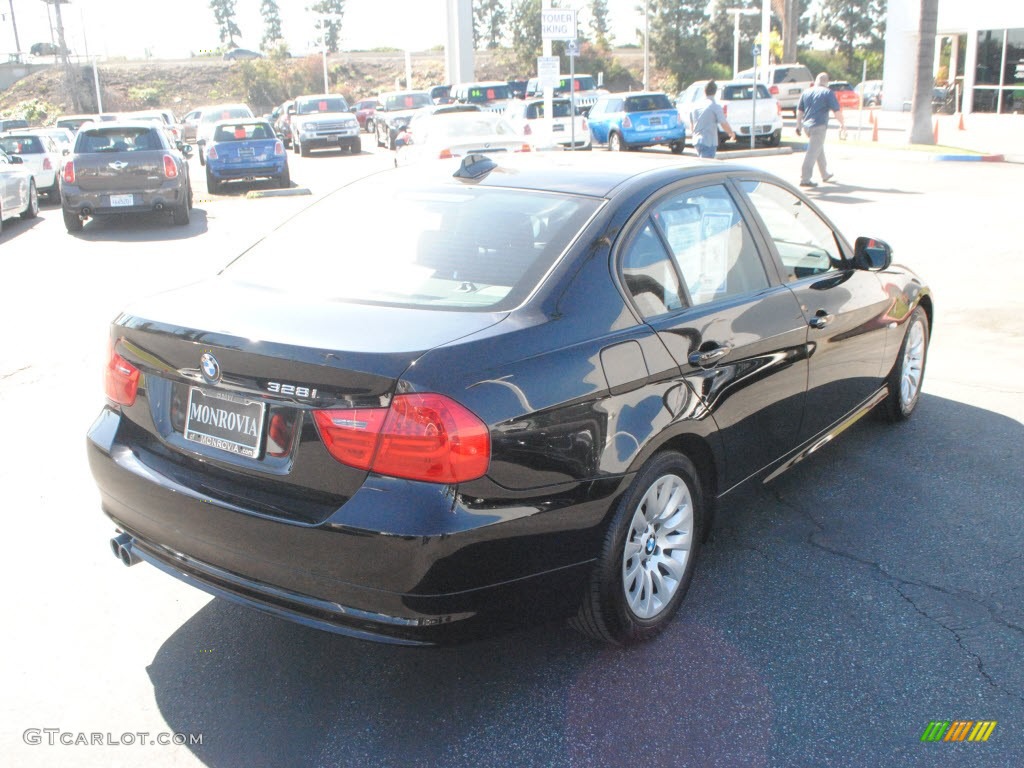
(243, 131)
(648, 103)
(227, 113)
(792, 75)
(840, 86)
(489, 93)
(21, 145)
(743, 93)
(401, 101)
(466, 248)
(326, 104)
(582, 83)
(122, 139)
(558, 108)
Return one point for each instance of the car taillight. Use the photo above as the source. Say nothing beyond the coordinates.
(170, 167)
(525, 148)
(122, 380)
(584, 121)
(527, 130)
(279, 147)
(778, 108)
(426, 437)
(69, 172)
(47, 165)
(445, 154)
(626, 122)
(774, 90)
(725, 110)
(211, 153)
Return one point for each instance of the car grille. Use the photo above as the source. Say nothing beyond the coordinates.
(326, 127)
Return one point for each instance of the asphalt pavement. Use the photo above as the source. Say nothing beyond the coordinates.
(835, 613)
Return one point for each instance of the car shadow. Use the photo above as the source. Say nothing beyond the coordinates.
(730, 678)
(12, 228)
(143, 227)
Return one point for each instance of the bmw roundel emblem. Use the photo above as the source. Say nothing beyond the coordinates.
(210, 367)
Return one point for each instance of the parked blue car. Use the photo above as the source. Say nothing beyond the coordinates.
(245, 149)
(634, 120)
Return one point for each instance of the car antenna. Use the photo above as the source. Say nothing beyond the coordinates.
(474, 167)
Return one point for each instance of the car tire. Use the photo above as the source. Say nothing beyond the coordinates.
(907, 376)
(285, 179)
(32, 206)
(53, 192)
(775, 139)
(376, 135)
(202, 158)
(615, 143)
(72, 221)
(212, 184)
(303, 150)
(355, 146)
(295, 146)
(648, 555)
(678, 147)
(180, 214)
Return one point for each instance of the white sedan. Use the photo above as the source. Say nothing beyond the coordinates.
(17, 190)
(40, 155)
(457, 134)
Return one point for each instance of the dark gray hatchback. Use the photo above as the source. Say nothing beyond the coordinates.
(119, 168)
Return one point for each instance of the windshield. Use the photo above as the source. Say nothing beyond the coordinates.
(324, 104)
(582, 83)
(560, 108)
(21, 145)
(399, 101)
(465, 248)
(227, 113)
(489, 93)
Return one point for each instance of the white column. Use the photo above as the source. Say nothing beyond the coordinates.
(458, 49)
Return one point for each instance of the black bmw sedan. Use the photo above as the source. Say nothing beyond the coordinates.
(526, 405)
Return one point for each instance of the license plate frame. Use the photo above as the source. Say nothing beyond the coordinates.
(230, 423)
(122, 201)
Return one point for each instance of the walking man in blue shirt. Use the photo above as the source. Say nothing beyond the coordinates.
(704, 121)
(812, 115)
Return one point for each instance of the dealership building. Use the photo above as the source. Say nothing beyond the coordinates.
(979, 47)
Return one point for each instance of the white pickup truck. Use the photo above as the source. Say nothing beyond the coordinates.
(736, 98)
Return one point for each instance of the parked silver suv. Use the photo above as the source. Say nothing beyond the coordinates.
(785, 82)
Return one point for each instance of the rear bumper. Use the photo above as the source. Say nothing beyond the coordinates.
(76, 200)
(226, 172)
(653, 138)
(455, 574)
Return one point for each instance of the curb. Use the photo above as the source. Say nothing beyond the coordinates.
(968, 158)
(256, 194)
(741, 153)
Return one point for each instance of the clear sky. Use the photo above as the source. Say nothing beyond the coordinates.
(176, 28)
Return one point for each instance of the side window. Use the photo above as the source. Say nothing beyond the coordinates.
(613, 105)
(711, 244)
(806, 243)
(649, 274)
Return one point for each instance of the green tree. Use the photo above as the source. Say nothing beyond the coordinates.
(719, 30)
(599, 23)
(271, 24)
(851, 24)
(489, 20)
(677, 39)
(224, 15)
(330, 28)
(526, 40)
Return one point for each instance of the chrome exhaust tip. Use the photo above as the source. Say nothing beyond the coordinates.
(121, 546)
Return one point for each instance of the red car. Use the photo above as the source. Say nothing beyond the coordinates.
(365, 110)
(848, 97)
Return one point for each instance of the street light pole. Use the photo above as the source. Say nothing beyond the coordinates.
(324, 18)
(736, 13)
(647, 29)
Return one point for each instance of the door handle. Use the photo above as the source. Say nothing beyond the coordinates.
(709, 357)
(821, 319)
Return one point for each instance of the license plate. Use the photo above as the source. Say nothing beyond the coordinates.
(224, 421)
(120, 201)
(557, 128)
(655, 121)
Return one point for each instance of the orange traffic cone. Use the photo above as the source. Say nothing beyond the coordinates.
(935, 132)
(960, 127)
(874, 131)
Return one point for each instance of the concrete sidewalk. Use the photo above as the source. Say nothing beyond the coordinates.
(982, 134)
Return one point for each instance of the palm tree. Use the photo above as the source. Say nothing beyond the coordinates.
(921, 104)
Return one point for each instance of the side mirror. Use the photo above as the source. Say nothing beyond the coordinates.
(871, 254)
(201, 142)
(291, 110)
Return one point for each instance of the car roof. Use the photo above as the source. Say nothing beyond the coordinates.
(403, 93)
(570, 173)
